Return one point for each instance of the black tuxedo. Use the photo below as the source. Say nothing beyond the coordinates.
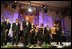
(47, 33)
(58, 34)
(5, 26)
(16, 30)
(26, 32)
(40, 35)
(25, 26)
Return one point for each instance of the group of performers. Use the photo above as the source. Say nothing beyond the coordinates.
(31, 34)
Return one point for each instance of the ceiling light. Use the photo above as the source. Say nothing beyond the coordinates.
(30, 9)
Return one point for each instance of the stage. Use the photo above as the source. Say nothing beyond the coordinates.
(53, 45)
(33, 21)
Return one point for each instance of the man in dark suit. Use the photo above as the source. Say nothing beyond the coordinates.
(16, 30)
(59, 33)
(2, 38)
(26, 31)
(47, 33)
(5, 28)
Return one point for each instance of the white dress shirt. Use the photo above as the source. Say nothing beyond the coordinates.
(27, 23)
(16, 24)
(47, 28)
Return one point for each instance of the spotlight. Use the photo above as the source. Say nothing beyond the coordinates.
(30, 9)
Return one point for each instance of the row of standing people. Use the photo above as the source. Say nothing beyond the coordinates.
(31, 34)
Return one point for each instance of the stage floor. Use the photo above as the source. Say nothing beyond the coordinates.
(37, 46)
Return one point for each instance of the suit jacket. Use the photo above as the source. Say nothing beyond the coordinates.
(25, 27)
(40, 30)
(16, 28)
(5, 26)
(47, 32)
(58, 32)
